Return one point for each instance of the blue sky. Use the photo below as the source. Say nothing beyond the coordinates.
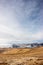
(21, 21)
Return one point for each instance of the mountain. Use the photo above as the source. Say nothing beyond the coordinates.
(15, 46)
(32, 45)
(22, 45)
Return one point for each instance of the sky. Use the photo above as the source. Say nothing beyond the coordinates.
(21, 21)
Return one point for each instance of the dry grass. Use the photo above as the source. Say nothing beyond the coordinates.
(22, 56)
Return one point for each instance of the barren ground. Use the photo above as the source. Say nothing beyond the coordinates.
(21, 56)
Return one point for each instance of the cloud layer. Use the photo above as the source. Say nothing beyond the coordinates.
(21, 21)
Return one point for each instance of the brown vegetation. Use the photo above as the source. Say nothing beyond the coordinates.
(22, 56)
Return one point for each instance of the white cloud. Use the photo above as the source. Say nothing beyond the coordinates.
(12, 14)
(38, 36)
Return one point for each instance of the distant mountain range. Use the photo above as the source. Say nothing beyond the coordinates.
(22, 45)
(32, 45)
